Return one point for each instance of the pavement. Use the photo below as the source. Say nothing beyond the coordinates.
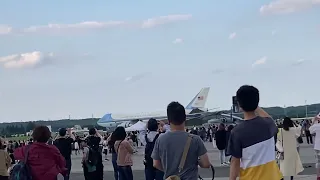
(306, 155)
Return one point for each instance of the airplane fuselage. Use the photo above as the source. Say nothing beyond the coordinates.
(111, 120)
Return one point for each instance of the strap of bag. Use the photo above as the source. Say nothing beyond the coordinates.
(155, 138)
(26, 154)
(146, 138)
(185, 153)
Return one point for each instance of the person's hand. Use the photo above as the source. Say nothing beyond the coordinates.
(69, 130)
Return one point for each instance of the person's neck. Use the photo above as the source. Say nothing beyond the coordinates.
(249, 115)
(177, 127)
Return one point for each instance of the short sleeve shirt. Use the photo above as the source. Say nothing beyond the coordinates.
(253, 143)
(169, 148)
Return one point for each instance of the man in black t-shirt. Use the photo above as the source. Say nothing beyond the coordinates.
(64, 143)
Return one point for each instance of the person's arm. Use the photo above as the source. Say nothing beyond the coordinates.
(262, 113)
(71, 135)
(109, 137)
(129, 147)
(59, 160)
(99, 135)
(234, 168)
(279, 141)
(57, 137)
(202, 153)
(156, 156)
(235, 150)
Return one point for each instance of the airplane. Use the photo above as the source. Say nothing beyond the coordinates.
(196, 104)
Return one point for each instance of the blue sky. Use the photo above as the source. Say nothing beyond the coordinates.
(61, 58)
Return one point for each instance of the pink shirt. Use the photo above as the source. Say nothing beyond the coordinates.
(124, 152)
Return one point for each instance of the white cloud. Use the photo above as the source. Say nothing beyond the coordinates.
(260, 61)
(232, 35)
(153, 22)
(71, 27)
(288, 6)
(298, 62)
(177, 41)
(25, 60)
(137, 77)
(90, 25)
(4, 29)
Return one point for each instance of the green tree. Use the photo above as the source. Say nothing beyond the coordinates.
(30, 126)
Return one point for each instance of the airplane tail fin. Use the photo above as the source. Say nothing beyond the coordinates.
(199, 101)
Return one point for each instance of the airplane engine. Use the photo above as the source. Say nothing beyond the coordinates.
(125, 124)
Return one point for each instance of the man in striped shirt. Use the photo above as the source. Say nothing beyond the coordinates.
(251, 143)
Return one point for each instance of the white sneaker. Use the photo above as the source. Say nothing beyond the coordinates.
(224, 164)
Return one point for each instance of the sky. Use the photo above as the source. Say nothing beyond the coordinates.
(84, 58)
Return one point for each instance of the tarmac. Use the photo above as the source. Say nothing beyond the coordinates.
(221, 173)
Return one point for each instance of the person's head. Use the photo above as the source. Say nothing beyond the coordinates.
(120, 133)
(41, 134)
(152, 125)
(92, 131)
(222, 127)
(230, 127)
(248, 98)
(287, 123)
(62, 132)
(176, 113)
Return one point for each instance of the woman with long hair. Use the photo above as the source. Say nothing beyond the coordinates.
(124, 152)
(111, 140)
(290, 164)
(221, 142)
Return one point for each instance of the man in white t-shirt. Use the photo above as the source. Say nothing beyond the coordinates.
(315, 129)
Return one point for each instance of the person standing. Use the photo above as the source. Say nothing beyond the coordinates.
(251, 143)
(124, 154)
(151, 173)
(168, 150)
(64, 142)
(315, 129)
(94, 153)
(291, 164)
(306, 129)
(221, 142)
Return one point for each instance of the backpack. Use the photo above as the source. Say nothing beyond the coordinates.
(148, 161)
(21, 171)
(93, 156)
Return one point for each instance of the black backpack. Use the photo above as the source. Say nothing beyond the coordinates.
(148, 161)
(93, 156)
